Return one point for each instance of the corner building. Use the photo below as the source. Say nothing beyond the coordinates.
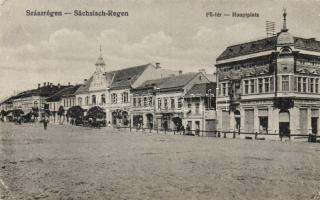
(270, 85)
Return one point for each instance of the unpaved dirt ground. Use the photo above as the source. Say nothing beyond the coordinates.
(67, 162)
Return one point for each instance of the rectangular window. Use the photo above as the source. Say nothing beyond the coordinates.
(197, 108)
(159, 103)
(150, 101)
(304, 84)
(260, 85)
(145, 102)
(266, 85)
(311, 85)
(165, 103)
(295, 83)
(172, 103)
(139, 101)
(316, 85)
(299, 84)
(252, 86)
(246, 86)
(134, 102)
(285, 83)
(223, 89)
(179, 102)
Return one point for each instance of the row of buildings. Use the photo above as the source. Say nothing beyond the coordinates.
(145, 96)
(270, 85)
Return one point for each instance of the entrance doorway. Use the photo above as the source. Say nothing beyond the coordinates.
(284, 123)
(314, 125)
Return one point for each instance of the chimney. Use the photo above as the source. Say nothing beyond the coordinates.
(44, 84)
(180, 72)
(48, 83)
(158, 65)
(85, 81)
(51, 85)
(202, 70)
(69, 84)
(39, 85)
(58, 85)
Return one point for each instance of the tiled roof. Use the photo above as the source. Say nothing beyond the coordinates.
(70, 90)
(201, 89)
(122, 78)
(126, 77)
(249, 48)
(84, 88)
(266, 44)
(169, 82)
(45, 91)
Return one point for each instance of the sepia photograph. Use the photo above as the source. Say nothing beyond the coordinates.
(160, 99)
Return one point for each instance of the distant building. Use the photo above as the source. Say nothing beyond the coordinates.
(35, 98)
(65, 98)
(270, 85)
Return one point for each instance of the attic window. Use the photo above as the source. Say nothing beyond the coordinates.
(129, 78)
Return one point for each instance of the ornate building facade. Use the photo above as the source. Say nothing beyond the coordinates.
(270, 85)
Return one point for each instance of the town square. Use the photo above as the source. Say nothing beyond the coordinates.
(150, 100)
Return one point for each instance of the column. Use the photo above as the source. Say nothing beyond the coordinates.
(219, 118)
(232, 121)
(242, 120)
(309, 121)
(256, 122)
(318, 124)
(270, 120)
(295, 120)
(276, 121)
(145, 121)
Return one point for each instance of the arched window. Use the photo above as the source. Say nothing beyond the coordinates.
(79, 101)
(87, 100)
(103, 98)
(94, 100)
(35, 104)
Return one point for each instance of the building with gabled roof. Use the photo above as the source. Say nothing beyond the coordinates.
(270, 85)
(111, 90)
(158, 103)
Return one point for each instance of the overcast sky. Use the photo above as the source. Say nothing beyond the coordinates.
(175, 33)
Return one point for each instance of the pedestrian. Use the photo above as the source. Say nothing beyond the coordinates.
(188, 129)
(183, 130)
(45, 122)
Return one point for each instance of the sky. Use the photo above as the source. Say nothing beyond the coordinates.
(176, 33)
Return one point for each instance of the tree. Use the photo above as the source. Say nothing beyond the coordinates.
(75, 112)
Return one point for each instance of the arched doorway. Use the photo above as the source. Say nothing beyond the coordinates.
(284, 123)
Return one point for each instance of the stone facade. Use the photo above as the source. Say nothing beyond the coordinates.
(270, 86)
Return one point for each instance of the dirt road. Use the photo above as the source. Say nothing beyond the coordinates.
(67, 162)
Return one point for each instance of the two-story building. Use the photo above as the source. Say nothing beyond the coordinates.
(200, 108)
(270, 85)
(65, 98)
(159, 103)
(35, 99)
